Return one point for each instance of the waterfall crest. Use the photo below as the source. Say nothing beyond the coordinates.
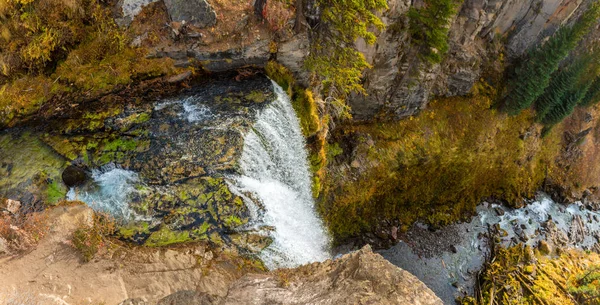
(275, 170)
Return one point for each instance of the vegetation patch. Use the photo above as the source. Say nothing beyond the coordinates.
(519, 275)
(429, 26)
(51, 47)
(95, 238)
(437, 166)
(19, 232)
(532, 75)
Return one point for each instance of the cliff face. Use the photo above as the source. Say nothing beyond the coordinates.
(482, 31)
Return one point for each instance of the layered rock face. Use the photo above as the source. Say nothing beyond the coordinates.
(400, 83)
(362, 277)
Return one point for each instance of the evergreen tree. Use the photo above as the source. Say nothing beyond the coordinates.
(592, 95)
(561, 82)
(429, 27)
(532, 75)
(557, 113)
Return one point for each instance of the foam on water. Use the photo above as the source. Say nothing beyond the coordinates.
(275, 169)
(109, 192)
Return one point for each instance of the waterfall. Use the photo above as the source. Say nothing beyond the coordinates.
(275, 170)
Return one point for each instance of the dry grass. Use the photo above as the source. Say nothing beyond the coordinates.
(437, 166)
(95, 239)
(21, 233)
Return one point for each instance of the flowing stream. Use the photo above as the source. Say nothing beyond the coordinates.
(275, 170)
(447, 260)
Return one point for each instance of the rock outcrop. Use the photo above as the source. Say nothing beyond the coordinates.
(362, 277)
(400, 83)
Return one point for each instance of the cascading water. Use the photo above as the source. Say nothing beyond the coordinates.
(444, 271)
(275, 170)
(109, 193)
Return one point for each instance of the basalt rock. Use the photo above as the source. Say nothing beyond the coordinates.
(74, 176)
(197, 12)
(182, 147)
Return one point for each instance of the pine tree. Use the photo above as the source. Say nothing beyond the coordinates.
(592, 95)
(532, 75)
(561, 82)
(557, 113)
(429, 27)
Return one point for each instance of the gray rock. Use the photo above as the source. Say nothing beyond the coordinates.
(196, 12)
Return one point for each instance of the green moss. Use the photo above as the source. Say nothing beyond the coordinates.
(256, 96)
(55, 192)
(233, 221)
(129, 231)
(165, 236)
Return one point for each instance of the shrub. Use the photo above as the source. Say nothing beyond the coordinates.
(93, 239)
(592, 95)
(586, 286)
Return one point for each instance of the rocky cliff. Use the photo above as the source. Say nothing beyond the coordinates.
(482, 33)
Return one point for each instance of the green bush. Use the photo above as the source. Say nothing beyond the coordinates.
(591, 97)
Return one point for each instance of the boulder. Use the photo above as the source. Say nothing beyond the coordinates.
(196, 12)
(74, 176)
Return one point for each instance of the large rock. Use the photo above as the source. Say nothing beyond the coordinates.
(195, 12)
(362, 277)
(74, 176)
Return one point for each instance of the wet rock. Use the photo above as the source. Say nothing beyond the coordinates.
(578, 230)
(453, 249)
(394, 233)
(196, 12)
(74, 176)
(499, 211)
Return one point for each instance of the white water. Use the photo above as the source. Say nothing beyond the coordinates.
(110, 192)
(275, 169)
(526, 225)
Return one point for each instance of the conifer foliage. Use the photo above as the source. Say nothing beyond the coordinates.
(533, 74)
(429, 27)
(563, 81)
(334, 58)
(592, 96)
